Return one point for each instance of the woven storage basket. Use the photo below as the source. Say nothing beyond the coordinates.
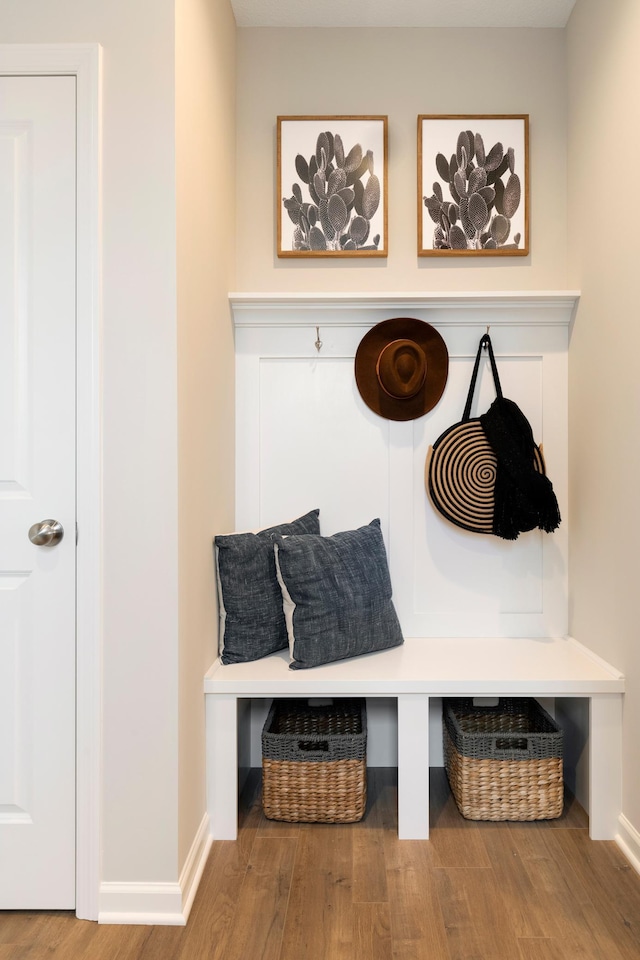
(503, 762)
(314, 765)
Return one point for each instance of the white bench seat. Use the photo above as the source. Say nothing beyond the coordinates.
(419, 669)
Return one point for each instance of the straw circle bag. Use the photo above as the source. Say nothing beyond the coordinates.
(486, 474)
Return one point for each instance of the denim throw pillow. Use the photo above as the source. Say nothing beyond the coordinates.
(336, 593)
(252, 623)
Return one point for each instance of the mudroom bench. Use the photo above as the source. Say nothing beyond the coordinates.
(422, 668)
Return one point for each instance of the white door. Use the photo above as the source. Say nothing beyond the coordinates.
(37, 483)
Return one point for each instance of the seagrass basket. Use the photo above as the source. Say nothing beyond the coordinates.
(314, 766)
(503, 762)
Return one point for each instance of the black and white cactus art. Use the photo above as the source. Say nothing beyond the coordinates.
(477, 196)
(335, 197)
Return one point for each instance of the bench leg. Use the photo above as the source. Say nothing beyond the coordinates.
(413, 767)
(605, 766)
(222, 765)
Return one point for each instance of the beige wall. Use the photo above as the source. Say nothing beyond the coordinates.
(603, 214)
(205, 162)
(169, 144)
(140, 658)
(401, 73)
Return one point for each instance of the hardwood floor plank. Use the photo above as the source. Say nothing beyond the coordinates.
(91, 941)
(417, 922)
(417, 926)
(459, 845)
(369, 872)
(58, 934)
(262, 903)
(563, 912)
(320, 918)
(29, 927)
(278, 829)
(525, 903)
(608, 888)
(602, 862)
(20, 951)
(372, 932)
(163, 941)
(472, 907)
(453, 849)
(45, 934)
(541, 949)
(61, 932)
(214, 908)
(418, 950)
(576, 914)
(412, 896)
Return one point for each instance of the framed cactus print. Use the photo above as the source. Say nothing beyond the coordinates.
(332, 186)
(473, 186)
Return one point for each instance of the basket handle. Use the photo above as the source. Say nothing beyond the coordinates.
(509, 746)
(313, 746)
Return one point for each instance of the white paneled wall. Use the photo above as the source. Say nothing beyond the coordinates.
(306, 439)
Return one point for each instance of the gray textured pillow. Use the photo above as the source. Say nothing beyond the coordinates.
(336, 594)
(252, 623)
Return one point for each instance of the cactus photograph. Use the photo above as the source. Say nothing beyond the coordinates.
(332, 187)
(473, 185)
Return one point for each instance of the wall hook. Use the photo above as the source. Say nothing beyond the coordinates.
(318, 343)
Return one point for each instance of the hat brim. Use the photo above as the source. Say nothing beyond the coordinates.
(369, 349)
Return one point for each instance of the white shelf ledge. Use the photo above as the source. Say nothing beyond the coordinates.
(546, 307)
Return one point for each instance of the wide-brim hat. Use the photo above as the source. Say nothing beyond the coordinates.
(401, 368)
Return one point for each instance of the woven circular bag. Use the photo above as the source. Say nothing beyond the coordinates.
(460, 471)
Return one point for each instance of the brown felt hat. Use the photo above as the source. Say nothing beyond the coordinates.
(401, 368)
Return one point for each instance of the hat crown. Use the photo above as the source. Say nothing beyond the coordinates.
(402, 369)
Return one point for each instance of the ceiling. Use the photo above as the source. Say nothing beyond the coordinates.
(402, 13)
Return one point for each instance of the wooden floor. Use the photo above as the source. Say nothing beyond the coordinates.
(475, 891)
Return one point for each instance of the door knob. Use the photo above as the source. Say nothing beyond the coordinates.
(46, 533)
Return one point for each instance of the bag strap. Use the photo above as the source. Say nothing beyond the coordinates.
(485, 341)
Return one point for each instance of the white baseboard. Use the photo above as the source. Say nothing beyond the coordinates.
(194, 865)
(162, 904)
(629, 842)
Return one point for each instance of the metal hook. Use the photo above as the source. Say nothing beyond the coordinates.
(485, 338)
(318, 343)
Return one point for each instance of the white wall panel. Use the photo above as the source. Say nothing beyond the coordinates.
(306, 439)
(463, 582)
(320, 445)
